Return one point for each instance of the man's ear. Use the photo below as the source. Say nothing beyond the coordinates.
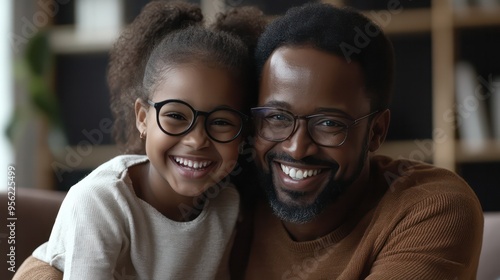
(380, 126)
(141, 112)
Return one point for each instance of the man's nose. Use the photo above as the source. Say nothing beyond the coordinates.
(300, 144)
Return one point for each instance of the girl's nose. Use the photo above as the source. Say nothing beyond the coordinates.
(197, 138)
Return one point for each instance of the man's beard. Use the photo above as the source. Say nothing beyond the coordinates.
(300, 214)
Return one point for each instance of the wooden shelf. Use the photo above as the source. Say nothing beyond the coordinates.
(405, 22)
(423, 150)
(476, 17)
(418, 149)
(486, 152)
(66, 40)
(97, 156)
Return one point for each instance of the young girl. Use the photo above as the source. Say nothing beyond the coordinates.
(168, 214)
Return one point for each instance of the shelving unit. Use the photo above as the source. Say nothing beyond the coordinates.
(442, 21)
(446, 26)
(443, 81)
(81, 59)
(447, 22)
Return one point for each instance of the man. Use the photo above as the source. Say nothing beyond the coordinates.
(333, 210)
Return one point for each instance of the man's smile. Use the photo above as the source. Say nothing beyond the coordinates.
(297, 173)
(300, 178)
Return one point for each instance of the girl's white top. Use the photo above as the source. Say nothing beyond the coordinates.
(104, 231)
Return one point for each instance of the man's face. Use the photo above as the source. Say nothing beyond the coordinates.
(306, 81)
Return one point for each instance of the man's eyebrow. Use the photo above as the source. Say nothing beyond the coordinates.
(335, 111)
(277, 104)
(320, 110)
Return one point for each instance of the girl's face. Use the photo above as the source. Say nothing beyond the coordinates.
(190, 163)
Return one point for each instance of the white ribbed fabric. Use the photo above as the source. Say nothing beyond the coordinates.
(104, 231)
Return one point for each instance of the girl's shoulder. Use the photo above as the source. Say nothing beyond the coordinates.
(109, 181)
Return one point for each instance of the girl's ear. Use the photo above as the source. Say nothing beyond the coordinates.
(141, 112)
(379, 129)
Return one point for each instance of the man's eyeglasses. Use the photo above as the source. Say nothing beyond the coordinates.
(277, 125)
(176, 118)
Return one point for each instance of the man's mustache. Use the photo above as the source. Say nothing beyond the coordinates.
(271, 156)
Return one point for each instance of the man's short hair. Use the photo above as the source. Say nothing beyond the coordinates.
(340, 31)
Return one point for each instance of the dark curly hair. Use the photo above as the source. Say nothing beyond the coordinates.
(337, 31)
(166, 34)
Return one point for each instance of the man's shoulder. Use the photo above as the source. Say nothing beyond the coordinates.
(410, 182)
(405, 174)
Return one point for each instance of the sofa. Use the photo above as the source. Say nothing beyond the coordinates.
(30, 225)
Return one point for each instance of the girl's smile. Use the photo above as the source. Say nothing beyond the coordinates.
(193, 168)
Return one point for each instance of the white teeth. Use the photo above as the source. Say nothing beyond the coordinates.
(191, 163)
(299, 174)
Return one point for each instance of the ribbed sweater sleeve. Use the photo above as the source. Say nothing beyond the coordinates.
(437, 238)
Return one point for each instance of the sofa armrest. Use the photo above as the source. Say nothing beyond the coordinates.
(34, 215)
